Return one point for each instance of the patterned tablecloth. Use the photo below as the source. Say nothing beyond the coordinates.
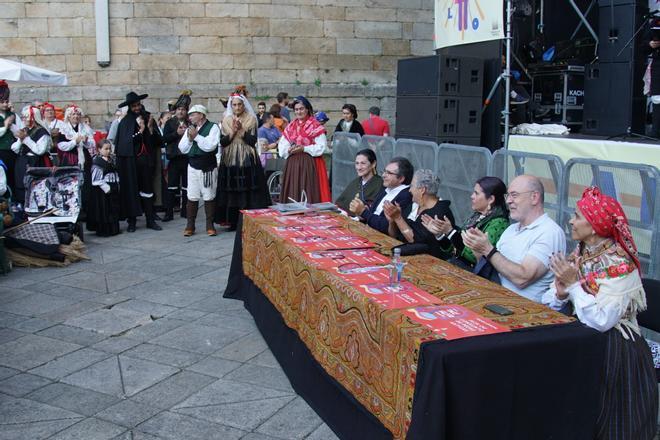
(370, 350)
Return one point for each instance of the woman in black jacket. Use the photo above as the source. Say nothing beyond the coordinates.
(349, 123)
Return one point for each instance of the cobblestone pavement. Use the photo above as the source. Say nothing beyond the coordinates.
(138, 344)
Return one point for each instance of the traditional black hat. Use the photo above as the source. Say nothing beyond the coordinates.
(184, 100)
(4, 91)
(132, 98)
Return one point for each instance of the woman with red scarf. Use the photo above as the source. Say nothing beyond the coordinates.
(602, 281)
(302, 146)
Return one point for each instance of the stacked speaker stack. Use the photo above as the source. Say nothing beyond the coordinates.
(613, 99)
(439, 99)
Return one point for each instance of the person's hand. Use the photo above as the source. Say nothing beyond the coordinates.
(141, 125)
(561, 293)
(427, 222)
(654, 44)
(192, 132)
(10, 120)
(566, 272)
(151, 123)
(21, 134)
(294, 149)
(392, 210)
(181, 129)
(79, 139)
(357, 206)
(442, 225)
(477, 241)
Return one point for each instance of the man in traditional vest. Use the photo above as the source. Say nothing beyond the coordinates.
(200, 143)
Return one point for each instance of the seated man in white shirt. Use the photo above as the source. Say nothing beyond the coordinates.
(396, 181)
(522, 254)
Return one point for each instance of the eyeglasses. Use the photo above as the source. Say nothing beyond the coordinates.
(386, 171)
(515, 195)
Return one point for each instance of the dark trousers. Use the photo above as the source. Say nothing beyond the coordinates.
(177, 182)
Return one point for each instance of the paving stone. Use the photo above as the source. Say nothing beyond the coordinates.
(323, 432)
(241, 415)
(16, 410)
(7, 372)
(295, 421)
(174, 389)
(198, 338)
(128, 413)
(164, 355)
(10, 319)
(137, 435)
(261, 376)
(85, 280)
(110, 321)
(187, 315)
(174, 426)
(116, 344)
(244, 348)
(72, 334)
(258, 436)
(31, 351)
(36, 304)
(33, 325)
(111, 299)
(120, 376)
(216, 303)
(192, 271)
(72, 398)
(154, 329)
(72, 311)
(54, 289)
(8, 334)
(227, 320)
(22, 384)
(90, 429)
(12, 294)
(125, 278)
(215, 367)
(266, 359)
(153, 309)
(70, 363)
(168, 294)
(34, 430)
(225, 391)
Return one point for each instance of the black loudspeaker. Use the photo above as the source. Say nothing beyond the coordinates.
(613, 103)
(435, 117)
(616, 27)
(440, 75)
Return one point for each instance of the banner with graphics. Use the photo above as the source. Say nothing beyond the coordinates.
(468, 21)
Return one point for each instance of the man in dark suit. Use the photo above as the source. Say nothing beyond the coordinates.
(396, 180)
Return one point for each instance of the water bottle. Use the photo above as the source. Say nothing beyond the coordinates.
(396, 269)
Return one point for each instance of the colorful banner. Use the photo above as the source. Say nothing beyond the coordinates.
(468, 21)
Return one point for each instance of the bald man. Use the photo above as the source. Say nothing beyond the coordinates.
(522, 254)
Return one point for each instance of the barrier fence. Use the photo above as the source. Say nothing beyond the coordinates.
(459, 166)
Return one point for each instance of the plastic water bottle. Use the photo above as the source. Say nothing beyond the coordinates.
(396, 269)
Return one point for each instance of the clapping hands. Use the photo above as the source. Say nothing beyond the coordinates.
(437, 226)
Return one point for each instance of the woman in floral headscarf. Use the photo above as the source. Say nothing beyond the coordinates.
(302, 146)
(602, 280)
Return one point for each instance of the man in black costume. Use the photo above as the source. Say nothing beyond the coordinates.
(654, 44)
(138, 144)
(177, 169)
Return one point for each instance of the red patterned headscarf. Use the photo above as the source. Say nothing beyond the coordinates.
(606, 216)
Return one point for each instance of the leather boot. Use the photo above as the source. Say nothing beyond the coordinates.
(150, 214)
(169, 206)
(131, 224)
(209, 210)
(191, 208)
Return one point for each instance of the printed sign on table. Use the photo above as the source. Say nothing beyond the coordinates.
(453, 321)
(310, 220)
(407, 295)
(320, 243)
(300, 231)
(331, 259)
(267, 212)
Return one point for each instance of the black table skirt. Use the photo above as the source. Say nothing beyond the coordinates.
(532, 384)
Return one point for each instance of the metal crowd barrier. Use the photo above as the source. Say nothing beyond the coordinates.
(635, 186)
(459, 166)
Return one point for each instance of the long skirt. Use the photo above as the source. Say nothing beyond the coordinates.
(300, 174)
(103, 211)
(129, 193)
(629, 402)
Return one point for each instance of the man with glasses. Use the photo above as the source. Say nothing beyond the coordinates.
(522, 254)
(396, 182)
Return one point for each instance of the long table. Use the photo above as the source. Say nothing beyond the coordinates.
(373, 373)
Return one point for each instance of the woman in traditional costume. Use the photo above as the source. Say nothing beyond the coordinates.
(31, 146)
(241, 179)
(302, 145)
(103, 215)
(601, 279)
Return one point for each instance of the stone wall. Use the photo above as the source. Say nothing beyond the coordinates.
(332, 51)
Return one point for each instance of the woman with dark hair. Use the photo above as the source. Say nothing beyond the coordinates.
(366, 185)
(302, 146)
(490, 216)
(349, 123)
(602, 281)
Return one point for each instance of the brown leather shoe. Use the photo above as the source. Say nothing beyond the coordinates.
(191, 208)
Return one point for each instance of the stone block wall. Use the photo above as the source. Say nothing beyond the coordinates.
(331, 51)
